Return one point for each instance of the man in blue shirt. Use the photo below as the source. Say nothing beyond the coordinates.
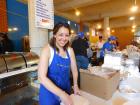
(107, 47)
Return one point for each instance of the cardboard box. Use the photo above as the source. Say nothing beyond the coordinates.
(97, 85)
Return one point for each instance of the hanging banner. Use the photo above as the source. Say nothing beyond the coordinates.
(44, 14)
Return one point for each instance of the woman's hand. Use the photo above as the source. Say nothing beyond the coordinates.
(66, 99)
(76, 89)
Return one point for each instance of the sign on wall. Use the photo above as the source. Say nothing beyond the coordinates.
(44, 14)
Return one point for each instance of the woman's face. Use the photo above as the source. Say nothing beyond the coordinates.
(62, 37)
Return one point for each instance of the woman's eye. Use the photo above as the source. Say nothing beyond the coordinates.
(60, 34)
(67, 35)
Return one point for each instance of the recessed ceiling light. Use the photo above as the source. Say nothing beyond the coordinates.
(134, 26)
(134, 8)
(132, 18)
(133, 30)
(99, 26)
(77, 13)
(108, 28)
(112, 31)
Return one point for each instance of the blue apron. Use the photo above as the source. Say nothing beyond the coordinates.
(59, 74)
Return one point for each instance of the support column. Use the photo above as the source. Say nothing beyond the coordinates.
(38, 36)
(106, 27)
(81, 26)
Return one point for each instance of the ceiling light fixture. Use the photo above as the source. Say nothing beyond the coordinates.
(132, 18)
(134, 26)
(133, 30)
(108, 28)
(77, 13)
(134, 8)
(99, 26)
(112, 31)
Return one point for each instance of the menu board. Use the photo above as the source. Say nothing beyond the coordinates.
(44, 14)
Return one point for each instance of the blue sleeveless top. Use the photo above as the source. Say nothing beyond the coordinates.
(59, 74)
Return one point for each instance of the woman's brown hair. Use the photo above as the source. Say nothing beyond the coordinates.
(55, 30)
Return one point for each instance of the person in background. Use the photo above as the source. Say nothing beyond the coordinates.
(99, 46)
(56, 61)
(89, 49)
(89, 53)
(116, 44)
(72, 38)
(86, 38)
(6, 44)
(1, 45)
(80, 46)
(107, 47)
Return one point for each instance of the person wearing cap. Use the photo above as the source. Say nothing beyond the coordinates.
(116, 44)
(80, 47)
(107, 47)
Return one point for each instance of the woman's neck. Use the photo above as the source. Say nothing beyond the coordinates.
(59, 47)
(62, 52)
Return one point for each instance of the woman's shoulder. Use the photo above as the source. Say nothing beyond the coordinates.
(47, 49)
(70, 50)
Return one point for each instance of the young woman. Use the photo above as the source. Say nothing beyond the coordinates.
(56, 61)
